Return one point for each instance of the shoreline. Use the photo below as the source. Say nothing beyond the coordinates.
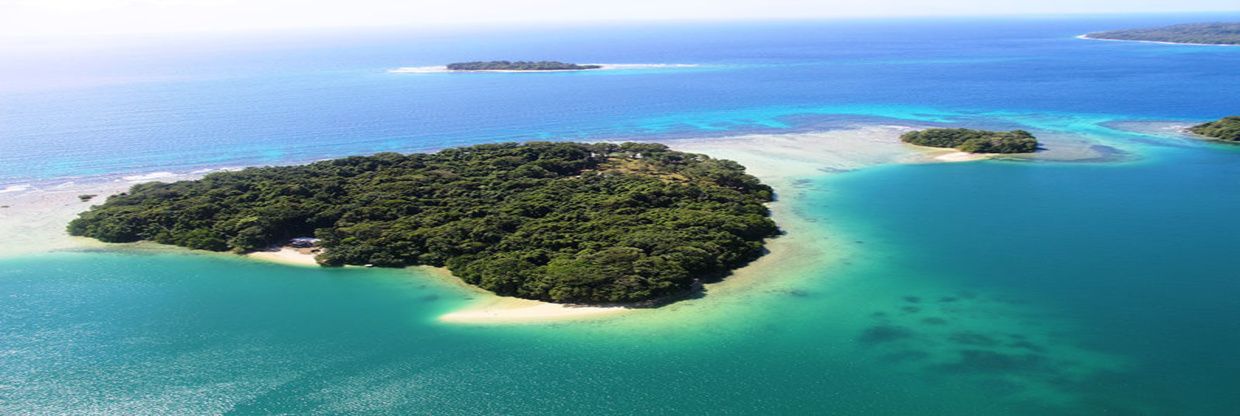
(33, 218)
(1087, 37)
(508, 310)
(490, 308)
(780, 160)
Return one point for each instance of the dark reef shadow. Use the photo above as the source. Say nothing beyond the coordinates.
(974, 361)
(906, 355)
(973, 339)
(882, 334)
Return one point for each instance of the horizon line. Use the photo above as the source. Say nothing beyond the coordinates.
(485, 25)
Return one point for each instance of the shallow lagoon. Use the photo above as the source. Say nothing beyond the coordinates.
(975, 288)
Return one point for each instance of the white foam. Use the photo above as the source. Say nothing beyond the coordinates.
(149, 176)
(15, 188)
(219, 169)
(418, 70)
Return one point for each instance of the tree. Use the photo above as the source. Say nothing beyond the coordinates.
(974, 141)
(564, 222)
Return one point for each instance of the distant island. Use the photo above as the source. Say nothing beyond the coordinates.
(1193, 33)
(519, 66)
(974, 141)
(558, 222)
(1226, 129)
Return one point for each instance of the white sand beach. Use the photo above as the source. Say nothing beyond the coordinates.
(286, 255)
(504, 310)
(961, 157)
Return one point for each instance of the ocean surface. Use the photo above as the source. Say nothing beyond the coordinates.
(1108, 286)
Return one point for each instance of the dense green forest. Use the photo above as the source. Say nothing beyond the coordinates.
(562, 222)
(1227, 128)
(518, 66)
(974, 141)
(1205, 33)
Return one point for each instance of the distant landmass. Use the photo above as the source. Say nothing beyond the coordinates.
(559, 222)
(518, 66)
(1226, 129)
(1193, 33)
(974, 141)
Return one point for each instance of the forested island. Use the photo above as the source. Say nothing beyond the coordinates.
(518, 66)
(1225, 129)
(974, 141)
(559, 222)
(1196, 33)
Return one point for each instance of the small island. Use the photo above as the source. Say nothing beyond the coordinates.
(974, 141)
(1193, 33)
(519, 66)
(558, 222)
(1226, 129)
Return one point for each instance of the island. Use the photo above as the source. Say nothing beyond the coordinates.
(519, 66)
(974, 141)
(1192, 33)
(1226, 129)
(558, 222)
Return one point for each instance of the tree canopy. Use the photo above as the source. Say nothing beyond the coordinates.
(1203, 33)
(1227, 128)
(974, 141)
(561, 222)
(518, 66)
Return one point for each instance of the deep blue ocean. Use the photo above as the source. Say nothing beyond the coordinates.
(177, 104)
(1101, 287)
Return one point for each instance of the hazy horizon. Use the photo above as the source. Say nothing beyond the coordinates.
(32, 19)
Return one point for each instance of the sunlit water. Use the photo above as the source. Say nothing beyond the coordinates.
(1027, 288)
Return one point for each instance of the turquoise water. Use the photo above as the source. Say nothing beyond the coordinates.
(1003, 287)
(1110, 288)
(982, 288)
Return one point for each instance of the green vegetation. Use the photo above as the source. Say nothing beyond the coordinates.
(1203, 33)
(518, 66)
(1227, 129)
(562, 222)
(974, 141)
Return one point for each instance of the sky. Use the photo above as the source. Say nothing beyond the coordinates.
(40, 18)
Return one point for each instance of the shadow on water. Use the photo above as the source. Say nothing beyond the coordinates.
(1034, 367)
(973, 339)
(882, 334)
(992, 362)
